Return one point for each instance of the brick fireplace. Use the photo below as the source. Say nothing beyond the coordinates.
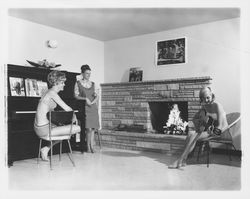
(129, 103)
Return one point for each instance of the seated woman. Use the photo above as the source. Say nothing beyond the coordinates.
(209, 110)
(47, 103)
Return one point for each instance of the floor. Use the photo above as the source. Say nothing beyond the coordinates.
(114, 169)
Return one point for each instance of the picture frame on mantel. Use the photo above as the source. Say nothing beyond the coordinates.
(171, 51)
(135, 74)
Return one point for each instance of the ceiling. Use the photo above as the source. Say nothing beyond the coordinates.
(106, 24)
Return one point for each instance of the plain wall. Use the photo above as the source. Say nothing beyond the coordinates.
(27, 41)
(213, 49)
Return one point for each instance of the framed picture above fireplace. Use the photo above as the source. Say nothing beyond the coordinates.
(171, 51)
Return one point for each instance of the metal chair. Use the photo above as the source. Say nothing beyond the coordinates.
(225, 138)
(60, 118)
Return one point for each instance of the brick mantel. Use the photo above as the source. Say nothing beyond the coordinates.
(165, 81)
(127, 102)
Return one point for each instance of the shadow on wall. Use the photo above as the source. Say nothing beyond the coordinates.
(125, 77)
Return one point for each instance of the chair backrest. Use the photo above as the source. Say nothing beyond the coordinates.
(232, 118)
(61, 117)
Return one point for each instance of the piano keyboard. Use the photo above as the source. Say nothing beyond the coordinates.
(24, 112)
(21, 112)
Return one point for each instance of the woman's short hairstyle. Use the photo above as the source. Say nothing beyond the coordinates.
(84, 68)
(55, 76)
(203, 90)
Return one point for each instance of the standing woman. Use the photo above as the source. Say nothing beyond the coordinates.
(85, 90)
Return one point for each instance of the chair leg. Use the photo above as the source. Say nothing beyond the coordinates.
(199, 151)
(208, 153)
(39, 151)
(51, 153)
(234, 147)
(228, 152)
(60, 153)
(71, 154)
(99, 139)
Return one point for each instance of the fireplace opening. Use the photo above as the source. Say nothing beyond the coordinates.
(169, 117)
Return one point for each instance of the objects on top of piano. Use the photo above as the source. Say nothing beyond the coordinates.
(44, 64)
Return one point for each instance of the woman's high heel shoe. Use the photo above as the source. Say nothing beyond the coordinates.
(92, 150)
(175, 165)
(88, 150)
